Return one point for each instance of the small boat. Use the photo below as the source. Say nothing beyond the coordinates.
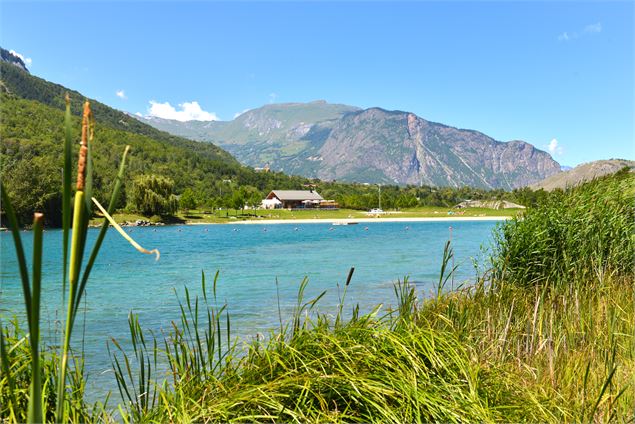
(345, 223)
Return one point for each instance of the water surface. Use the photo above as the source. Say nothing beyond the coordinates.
(249, 259)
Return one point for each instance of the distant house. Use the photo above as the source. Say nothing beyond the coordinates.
(263, 169)
(292, 199)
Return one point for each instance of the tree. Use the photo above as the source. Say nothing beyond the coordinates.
(253, 196)
(152, 195)
(238, 200)
(187, 200)
(33, 186)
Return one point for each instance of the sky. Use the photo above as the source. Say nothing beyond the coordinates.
(558, 75)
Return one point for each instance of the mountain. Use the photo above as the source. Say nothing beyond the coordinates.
(8, 57)
(339, 142)
(270, 135)
(31, 134)
(584, 172)
(281, 121)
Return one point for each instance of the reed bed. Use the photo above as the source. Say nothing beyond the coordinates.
(547, 334)
(552, 344)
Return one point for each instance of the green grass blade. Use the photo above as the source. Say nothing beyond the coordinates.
(606, 384)
(114, 198)
(35, 399)
(6, 371)
(19, 250)
(66, 193)
(75, 263)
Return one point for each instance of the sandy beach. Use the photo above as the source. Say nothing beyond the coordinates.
(355, 220)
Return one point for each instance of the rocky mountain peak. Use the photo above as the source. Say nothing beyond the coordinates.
(374, 145)
(12, 58)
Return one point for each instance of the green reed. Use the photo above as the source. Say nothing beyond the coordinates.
(581, 233)
(66, 408)
(503, 349)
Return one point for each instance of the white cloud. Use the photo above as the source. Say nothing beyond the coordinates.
(554, 147)
(27, 60)
(588, 30)
(121, 94)
(189, 111)
(237, 114)
(272, 97)
(593, 28)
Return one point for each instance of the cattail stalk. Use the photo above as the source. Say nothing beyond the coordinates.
(75, 260)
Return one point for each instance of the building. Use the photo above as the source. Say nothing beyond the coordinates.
(292, 199)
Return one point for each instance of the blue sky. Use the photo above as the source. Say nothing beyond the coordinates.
(558, 75)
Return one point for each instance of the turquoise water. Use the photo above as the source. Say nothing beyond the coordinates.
(249, 259)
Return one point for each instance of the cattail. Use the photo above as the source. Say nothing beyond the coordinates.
(83, 150)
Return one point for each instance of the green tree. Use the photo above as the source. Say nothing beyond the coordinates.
(253, 196)
(238, 199)
(33, 184)
(152, 195)
(187, 200)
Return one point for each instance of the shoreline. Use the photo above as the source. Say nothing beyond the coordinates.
(309, 221)
(353, 220)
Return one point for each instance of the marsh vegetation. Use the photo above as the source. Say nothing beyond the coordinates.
(545, 334)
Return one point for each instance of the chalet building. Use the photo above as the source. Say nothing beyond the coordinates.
(296, 199)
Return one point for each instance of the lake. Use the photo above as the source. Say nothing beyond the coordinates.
(249, 258)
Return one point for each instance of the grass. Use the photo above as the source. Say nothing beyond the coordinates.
(545, 335)
(224, 217)
(556, 349)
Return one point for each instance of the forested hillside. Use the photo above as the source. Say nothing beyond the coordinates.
(31, 155)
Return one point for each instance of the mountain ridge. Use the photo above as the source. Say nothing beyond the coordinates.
(7, 56)
(583, 172)
(372, 145)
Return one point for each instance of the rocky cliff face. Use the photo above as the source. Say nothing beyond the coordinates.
(399, 147)
(7, 56)
(339, 142)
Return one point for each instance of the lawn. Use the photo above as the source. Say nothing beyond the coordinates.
(228, 216)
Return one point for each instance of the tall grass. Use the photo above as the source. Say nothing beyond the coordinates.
(536, 340)
(41, 405)
(582, 233)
